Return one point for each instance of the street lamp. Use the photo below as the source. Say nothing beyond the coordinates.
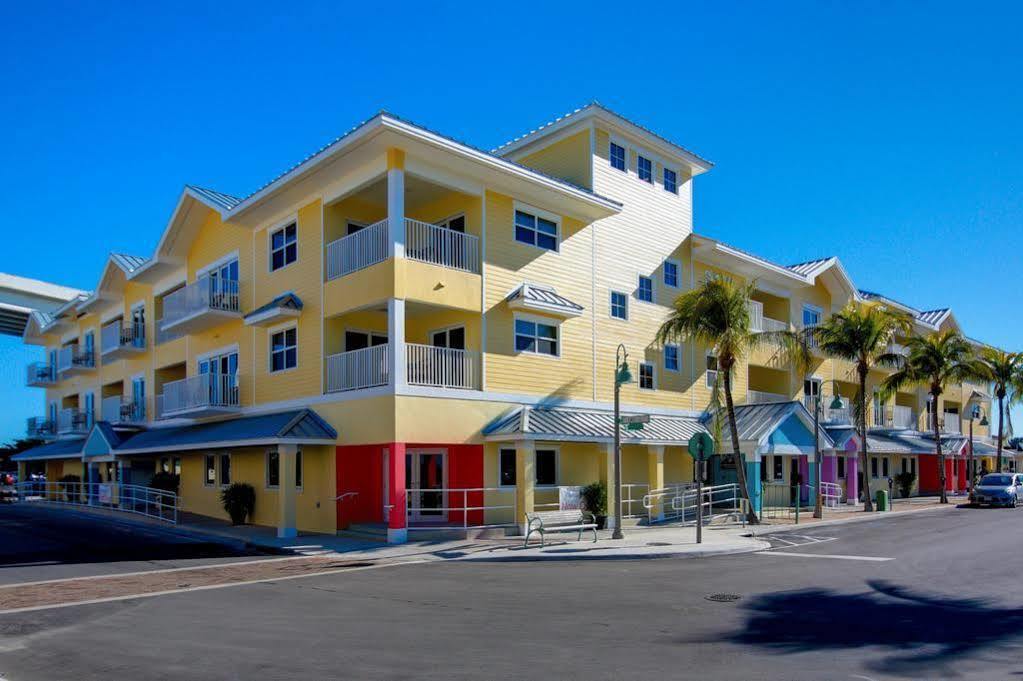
(836, 403)
(622, 375)
(972, 465)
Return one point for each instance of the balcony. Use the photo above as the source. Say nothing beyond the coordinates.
(357, 251)
(902, 417)
(120, 342)
(40, 375)
(73, 421)
(201, 305)
(761, 397)
(761, 324)
(123, 410)
(951, 423)
(840, 416)
(442, 367)
(202, 395)
(358, 369)
(164, 336)
(40, 428)
(71, 361)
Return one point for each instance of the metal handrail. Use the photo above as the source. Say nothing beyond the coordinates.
(465, 508)
(136, 499)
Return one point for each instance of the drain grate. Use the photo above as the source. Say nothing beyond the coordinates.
(658, 543)
(723, 598)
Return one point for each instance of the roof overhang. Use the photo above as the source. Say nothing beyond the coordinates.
(713, 252)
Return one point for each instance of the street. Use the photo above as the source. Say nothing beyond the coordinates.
(938, 599)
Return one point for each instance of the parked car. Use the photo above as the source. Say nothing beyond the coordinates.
(998, 489)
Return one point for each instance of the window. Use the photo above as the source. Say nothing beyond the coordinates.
(841, 467)
(670, 181)
(456, 223)
(225, 470)
(779, 471)
(645, 290)
(536, 231)
(873, 466)
(284, 350)
(905, 465)
(885, 471)
(273, 468)
(546, 467)
(619, 305)
(811, 316)
(211, 471)
(712, 370)
(536, 337)
(912, 466)
(617, 155)
(646, 376)
(283, 247)
(672, 358)
(645, 169)
(671, 273)
(507, 467)
(811, 387)
(359, 340)
(164, 465)
(176, 465)
(298, 469)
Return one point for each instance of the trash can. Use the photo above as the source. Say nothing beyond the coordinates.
(881, 500)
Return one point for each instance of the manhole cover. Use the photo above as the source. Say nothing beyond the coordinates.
(723, 598)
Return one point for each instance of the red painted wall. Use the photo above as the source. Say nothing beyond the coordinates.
(465, 471)
(929, 483)
(961, 468)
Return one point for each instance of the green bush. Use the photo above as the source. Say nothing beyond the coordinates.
(905, 482)
(72, 487)
(594, 496)
(239, 500)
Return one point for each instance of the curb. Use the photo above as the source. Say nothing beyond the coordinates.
(755, 546)
(861, 517)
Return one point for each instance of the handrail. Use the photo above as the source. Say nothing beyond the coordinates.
(441, 246)
(446, 492)
(204, 390)
(207, 293)
(356, 369)
(147, 501)
(442, 367)
(357, 251)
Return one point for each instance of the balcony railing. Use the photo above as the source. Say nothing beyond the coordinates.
(897, 349)
(166, 336)
(201, 395)
(72, 360)
(442, 367)
(441, 246)
(358, 369)
(952, 424)
(213, 296)
(73, 421)
(760, 323)
(902, 417)
(761, 397)
(40, 374)
(357, 251)
(117, 340)
(122, 409)
(40, 427)
(878, 420)
(828, 415)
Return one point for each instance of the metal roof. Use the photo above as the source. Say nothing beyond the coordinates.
(756, 421)
(887, 441)
(220, 199)
(562, 423)
(933, 317)
(286, 300)
(128, 263)
(59, 449)
(532, 295)
(805, 268)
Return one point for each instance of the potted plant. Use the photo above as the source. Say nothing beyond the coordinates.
(905, 482)
(594, 496)
(239, 500)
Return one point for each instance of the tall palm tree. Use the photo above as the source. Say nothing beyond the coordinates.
(1004, 370)
(936, 361)
(861, 334)
(717, 314)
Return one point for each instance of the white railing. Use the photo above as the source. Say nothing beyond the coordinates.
(73, 420)
(357, 251)
(429, 508)
(157, 406)
(166, 336)
(829, 415)
(220, 391)
(952, 423)
(70, 357)
(208, 293)
(811, 337)
(897, 349)
(441, 246)
(760, 323)
(761, 397)
(40, 427)
(831, 494)
(632, 499)
(902, 417)
(40, 373)
(114, 336)
(147, 501)
(357, 369)
(118, 409)
(442, 367)
(879, 417)
(679, 502)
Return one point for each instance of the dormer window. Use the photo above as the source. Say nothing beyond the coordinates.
(670, 181)
(645, 169)
(617, 155)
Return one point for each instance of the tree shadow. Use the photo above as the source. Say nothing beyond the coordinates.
(926, 634)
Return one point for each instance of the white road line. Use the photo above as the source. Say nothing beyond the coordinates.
(207, 587)
(790, 543)
(872, 559)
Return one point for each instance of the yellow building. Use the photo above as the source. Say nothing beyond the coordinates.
(406, 330)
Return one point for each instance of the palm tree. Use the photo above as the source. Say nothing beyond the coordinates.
(935, 361)
(1004, 370)
(861, 334)
(717, 314)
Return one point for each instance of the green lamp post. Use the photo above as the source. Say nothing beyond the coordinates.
(622, 376)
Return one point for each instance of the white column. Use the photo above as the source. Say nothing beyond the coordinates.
(396, 343)
(286, 456)
(396, 203)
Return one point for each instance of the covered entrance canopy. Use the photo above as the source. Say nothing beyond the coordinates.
(582, 425)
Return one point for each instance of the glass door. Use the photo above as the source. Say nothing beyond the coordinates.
(223, 381)
(424, 477)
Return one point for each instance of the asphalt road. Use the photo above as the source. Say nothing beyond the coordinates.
(948, 605)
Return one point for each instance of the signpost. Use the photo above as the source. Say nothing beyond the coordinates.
(635, 422)
(701, 448)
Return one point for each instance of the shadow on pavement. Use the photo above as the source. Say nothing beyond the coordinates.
(926, 634)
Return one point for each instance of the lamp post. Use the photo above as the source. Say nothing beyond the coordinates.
(971, 464)
(622, 375)
(836, 403)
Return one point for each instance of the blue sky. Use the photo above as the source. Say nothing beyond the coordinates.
(885, 133)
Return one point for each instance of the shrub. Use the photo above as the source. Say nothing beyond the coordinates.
(594, 496)
(239, 500)
(905, 483)
(72, 487)
(165, 481)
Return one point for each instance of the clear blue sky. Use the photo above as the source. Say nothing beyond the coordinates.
(888, 134)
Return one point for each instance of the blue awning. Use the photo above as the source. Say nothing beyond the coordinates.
(61, 449)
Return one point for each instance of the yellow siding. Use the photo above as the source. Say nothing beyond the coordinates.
(568, 158)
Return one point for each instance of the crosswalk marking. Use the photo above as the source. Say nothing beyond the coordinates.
(835, 556)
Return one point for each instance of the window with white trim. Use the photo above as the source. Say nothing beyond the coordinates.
(536, 230)
(284, 350)
(546, 467)
(210, 478)
(536, 337)
(645, 290)
(617, 155)
(670, 181)
(672, 358)
(619, 305)
(671, 273)
(273, 468)
(811, 316)
(225, 470)
(712, 370)
(885, 471)
(507, 467)
(283, 246)
(646, 376)
(645, 169)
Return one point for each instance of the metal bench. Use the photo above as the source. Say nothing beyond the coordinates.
(543, 522)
